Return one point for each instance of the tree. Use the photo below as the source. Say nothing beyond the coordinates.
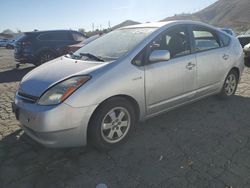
(81, 30)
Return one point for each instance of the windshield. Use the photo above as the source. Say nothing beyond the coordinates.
(248, 32)
(114, 44)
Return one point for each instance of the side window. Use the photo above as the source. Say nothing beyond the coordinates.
(139, 60)
(176, 41)
(205, 39)
(78, 37)
(55, 36)
(45, 36)
(225, 40)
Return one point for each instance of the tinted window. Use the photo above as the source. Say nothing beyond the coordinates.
(205, 39)
(24, 38)
(225, 40)
(176, 41)
(244, 40)
(55, 36)
(78, 37)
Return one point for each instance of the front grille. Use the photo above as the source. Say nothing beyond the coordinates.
(27, 97)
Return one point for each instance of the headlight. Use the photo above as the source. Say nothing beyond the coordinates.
(61, 91)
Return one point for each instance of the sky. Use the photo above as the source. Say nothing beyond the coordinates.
(27, 15)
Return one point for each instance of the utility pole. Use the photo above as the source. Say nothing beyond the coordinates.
(109, 25)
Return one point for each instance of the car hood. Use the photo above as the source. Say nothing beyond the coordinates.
(36, 82)
(243, 36)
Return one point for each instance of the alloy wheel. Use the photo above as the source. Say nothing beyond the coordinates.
(231, 84)
(115, 125)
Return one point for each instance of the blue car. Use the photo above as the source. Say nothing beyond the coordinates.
(39, 47)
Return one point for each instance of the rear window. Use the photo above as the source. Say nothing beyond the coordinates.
(23, 37)
(78, 37)
(54, 36)
(225, 40)
(244, 40)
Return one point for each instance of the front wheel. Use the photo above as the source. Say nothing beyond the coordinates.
(230, 85)
(111, 123)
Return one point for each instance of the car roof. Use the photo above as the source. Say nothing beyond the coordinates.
(145, 25)
(48, 31)
(162, 24)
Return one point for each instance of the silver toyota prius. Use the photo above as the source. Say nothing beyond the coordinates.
(97, 94)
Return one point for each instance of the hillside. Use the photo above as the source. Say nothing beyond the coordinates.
(125, 23)
(223, 13)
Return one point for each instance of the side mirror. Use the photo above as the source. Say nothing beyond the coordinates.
(159, 55)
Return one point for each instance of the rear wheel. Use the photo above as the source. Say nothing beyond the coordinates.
(230, 85)
(9, 46)
(111, 123)
(44, 57)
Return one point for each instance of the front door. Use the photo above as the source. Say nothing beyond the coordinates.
(170, 83)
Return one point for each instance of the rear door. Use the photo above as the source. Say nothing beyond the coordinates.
(170, 83)
(211, 59)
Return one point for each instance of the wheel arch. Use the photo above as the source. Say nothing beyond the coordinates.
(237, 71)
(130, 99)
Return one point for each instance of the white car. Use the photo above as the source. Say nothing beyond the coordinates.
(247, 49)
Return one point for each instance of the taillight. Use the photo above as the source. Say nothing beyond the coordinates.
(25, 43)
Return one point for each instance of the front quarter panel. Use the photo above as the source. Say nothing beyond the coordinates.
(118, 78)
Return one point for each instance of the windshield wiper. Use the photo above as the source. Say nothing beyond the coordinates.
(91, 56)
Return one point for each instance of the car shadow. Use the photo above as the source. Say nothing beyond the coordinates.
(185, 139)
(13, 75)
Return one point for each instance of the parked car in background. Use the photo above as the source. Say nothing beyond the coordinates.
(244, 39)
(41, 46)
(247, 50)
(229, 31)
(134, 73)
(247, 54)
(10, 44)
(74, 47)
(3, 42)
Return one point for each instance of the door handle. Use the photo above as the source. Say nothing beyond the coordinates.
(225, 57)
(190, 66)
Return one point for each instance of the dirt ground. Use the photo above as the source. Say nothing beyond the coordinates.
(205, 144)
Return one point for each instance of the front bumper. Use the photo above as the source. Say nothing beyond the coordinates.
(53, 126)
(24, 58)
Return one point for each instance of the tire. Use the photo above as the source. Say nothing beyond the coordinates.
(111, 124)
(45, 57)
(8, 46)
(230, 85)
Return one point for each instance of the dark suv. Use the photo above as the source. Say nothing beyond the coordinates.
(41, 46)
